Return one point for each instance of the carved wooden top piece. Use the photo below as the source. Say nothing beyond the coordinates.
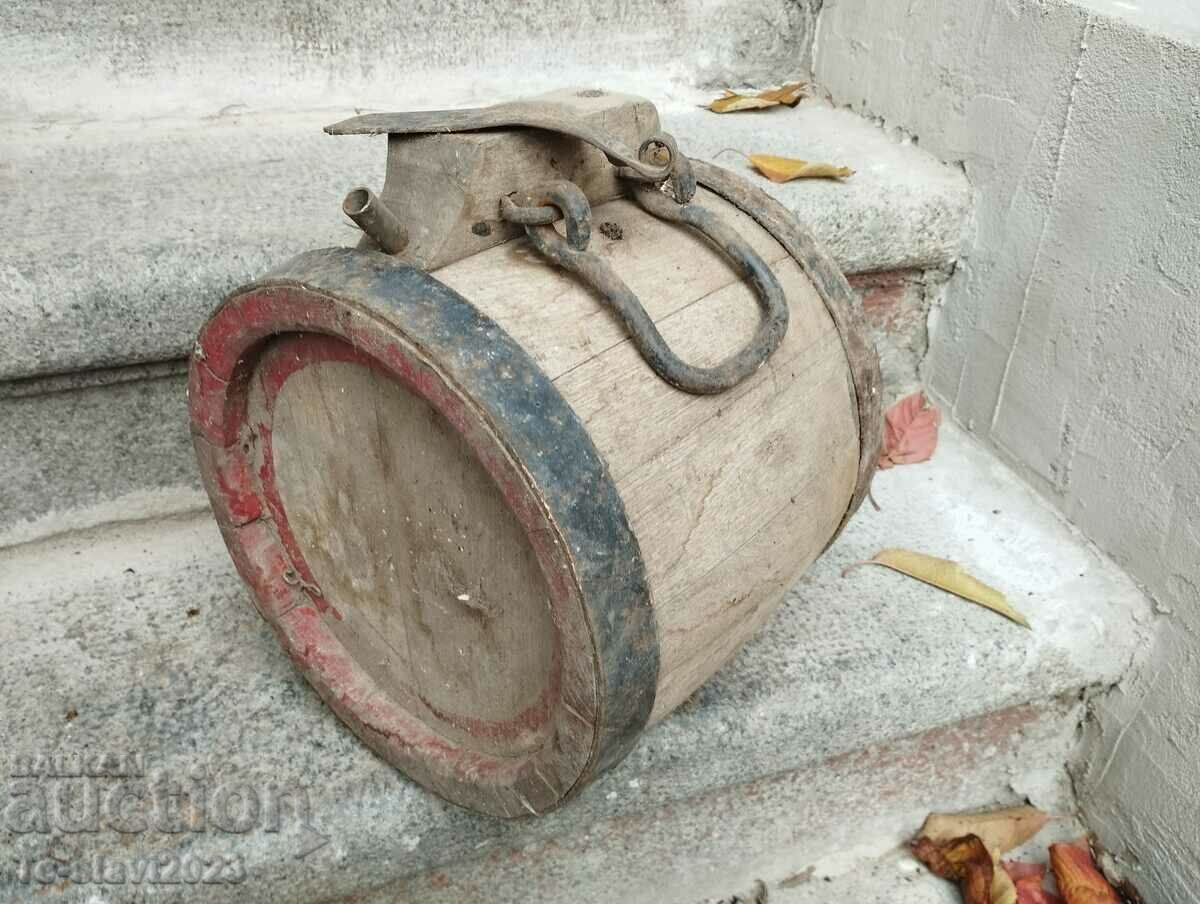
(446, 186)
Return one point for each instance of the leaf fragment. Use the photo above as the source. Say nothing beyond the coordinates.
(1023, 871)
(910, 432)
(1078, 879)
(785, 169)
(787, 95)
(1000, 830)
(1003, 890)
(963, 860)
(1028, 878)
(735, 103)
(945, 575)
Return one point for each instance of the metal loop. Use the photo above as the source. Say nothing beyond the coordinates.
(678, 166)
(528, 216)
(651, 152)
(596, 271)
(541, 206)
(683, 181)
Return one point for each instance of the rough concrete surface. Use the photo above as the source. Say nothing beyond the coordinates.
(127, 58)
(1178, 19)
(895, 877)
(140, 638)
(1069, 338)
(145, 229)
(828, 832)
(901, 209)
(78, 456)
(898, 305)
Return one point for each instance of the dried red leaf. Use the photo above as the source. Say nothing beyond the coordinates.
(963, 860)
(1028, 879)
(910, 432)
(1078, 879)
(1029, 893)
(1021, 871)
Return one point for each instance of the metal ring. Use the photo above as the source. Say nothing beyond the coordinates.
(529, 210)
(662, 140)
(528, 216)
(679, 168)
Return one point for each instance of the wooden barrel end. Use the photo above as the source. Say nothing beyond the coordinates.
(427, 527)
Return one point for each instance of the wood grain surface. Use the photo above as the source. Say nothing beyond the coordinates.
(731, 496)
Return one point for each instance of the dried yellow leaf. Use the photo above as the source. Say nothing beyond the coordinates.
(789, 95)
(730, 102)
(1000, 830)
(785, 169)
(949, 576)
(733, 103)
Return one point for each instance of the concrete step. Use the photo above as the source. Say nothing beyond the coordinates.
(139, 638)
(831, 831)
(74, 59)
(895, 877)
(128, 235)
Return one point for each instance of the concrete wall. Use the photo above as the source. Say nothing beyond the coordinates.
(1070, 336)
(76, 59)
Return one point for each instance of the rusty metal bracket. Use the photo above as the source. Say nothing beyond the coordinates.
(527, 114)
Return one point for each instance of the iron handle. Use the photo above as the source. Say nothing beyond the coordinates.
(572, 255)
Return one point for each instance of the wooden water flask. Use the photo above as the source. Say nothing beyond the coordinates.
(506, 494)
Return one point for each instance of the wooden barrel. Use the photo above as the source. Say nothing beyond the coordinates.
(496, 543)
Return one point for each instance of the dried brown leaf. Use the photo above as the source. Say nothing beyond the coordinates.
(963, 860)
(1027, 878)
(735, 103)
(1024, 871)
(1004, 890)
(789, 95)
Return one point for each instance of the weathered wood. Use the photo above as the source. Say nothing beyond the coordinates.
(428, 565)
(446, 188)
(588, 577)
(380, 444)
(703, 478)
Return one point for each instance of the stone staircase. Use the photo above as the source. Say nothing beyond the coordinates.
(153, 159)
(103, 304)
(866, 701)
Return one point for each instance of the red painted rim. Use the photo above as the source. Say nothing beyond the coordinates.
(233, 365)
